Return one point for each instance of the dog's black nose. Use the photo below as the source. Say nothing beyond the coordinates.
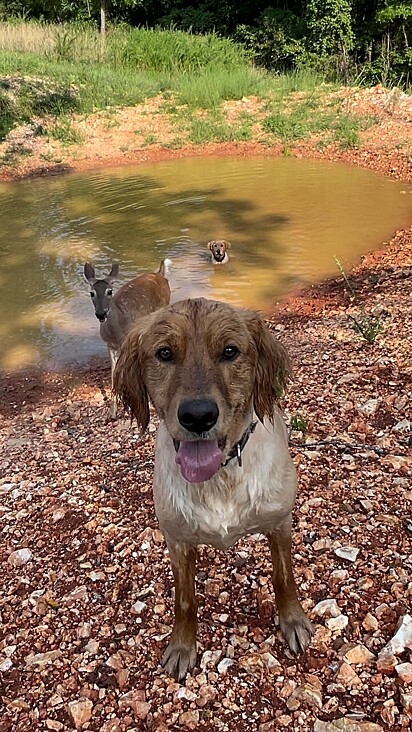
(198, 415)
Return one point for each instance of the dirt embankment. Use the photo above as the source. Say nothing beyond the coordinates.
(146, 133)
(86, 609)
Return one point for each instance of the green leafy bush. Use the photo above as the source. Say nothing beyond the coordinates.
(276, 41)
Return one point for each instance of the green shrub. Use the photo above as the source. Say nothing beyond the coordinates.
(8, 114)
(276, 41)
(287, 127)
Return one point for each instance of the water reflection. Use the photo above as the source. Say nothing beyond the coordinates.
(286, 219)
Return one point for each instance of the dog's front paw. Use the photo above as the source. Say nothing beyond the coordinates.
(297, 630)
(178, 659)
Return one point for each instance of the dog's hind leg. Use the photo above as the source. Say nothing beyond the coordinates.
(180, 654)
(295, 627)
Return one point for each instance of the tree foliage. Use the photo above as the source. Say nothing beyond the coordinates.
(350, 36)
(329, 26)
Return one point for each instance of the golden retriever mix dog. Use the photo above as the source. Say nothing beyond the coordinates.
(222, 466)
(219, 249)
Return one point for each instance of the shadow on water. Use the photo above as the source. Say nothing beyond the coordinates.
(285, 219)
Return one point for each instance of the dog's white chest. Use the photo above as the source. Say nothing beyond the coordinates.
(237, 501)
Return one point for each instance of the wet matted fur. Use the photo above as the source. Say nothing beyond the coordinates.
(213, 373)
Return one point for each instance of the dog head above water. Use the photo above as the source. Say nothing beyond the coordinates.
(219, 249)
(207, 367)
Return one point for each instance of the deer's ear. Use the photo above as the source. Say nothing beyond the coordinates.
(113, 274)
(89, 274)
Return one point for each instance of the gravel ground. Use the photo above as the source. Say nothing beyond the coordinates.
(86, 597)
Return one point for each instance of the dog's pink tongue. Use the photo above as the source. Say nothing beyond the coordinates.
(198, 460)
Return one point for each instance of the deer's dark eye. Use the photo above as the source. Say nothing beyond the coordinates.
(109, 293)
(230, 353)
(164, 354)
(92, 294)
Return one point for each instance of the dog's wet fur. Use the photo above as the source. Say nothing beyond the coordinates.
(219, 249)
(211, 371)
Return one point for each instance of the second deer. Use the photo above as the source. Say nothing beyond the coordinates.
(117, 312)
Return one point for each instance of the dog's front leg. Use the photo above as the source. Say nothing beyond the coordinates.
(180, 654)
(295, 627)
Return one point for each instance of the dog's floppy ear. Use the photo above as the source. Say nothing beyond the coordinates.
(210, 245)
(128, 379)
(228, 244)
(272, 368)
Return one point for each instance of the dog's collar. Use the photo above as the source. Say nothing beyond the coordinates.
(238, 447)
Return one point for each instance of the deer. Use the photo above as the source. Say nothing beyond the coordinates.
(117, 311)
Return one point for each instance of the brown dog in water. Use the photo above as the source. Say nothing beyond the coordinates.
(219, 249)
(222, 465)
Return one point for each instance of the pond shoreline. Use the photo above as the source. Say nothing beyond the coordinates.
(391, 164)
(97, 552)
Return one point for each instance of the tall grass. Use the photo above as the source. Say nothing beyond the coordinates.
(299, 80)
(173, 51)
(129, 66)
(55, 70)
(158, 51)
(34, 37)
(209, 87)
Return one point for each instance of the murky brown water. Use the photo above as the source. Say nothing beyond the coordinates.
(287, 219)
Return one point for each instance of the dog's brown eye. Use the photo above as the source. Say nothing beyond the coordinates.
(230, 353)
(164, 354)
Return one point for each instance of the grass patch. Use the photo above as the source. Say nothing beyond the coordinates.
(51, 158)
(64, 132)
(346, 131)
(367, 325)
(7, 115)
(298, 423)
(286, 126)
(213, 127)
(149, 140)
(172, 51)
(51, 71)
(208, 89)
(14, 154)
(137, 63)
(23, 99)
(292, 119)
(244, 127)
(164, 52)
(300, 81)
(175, 143)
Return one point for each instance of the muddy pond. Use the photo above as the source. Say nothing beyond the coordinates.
(288, 221)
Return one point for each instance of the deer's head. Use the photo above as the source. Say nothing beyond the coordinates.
(101, 291)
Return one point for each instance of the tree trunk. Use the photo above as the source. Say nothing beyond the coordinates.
(102, 17)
